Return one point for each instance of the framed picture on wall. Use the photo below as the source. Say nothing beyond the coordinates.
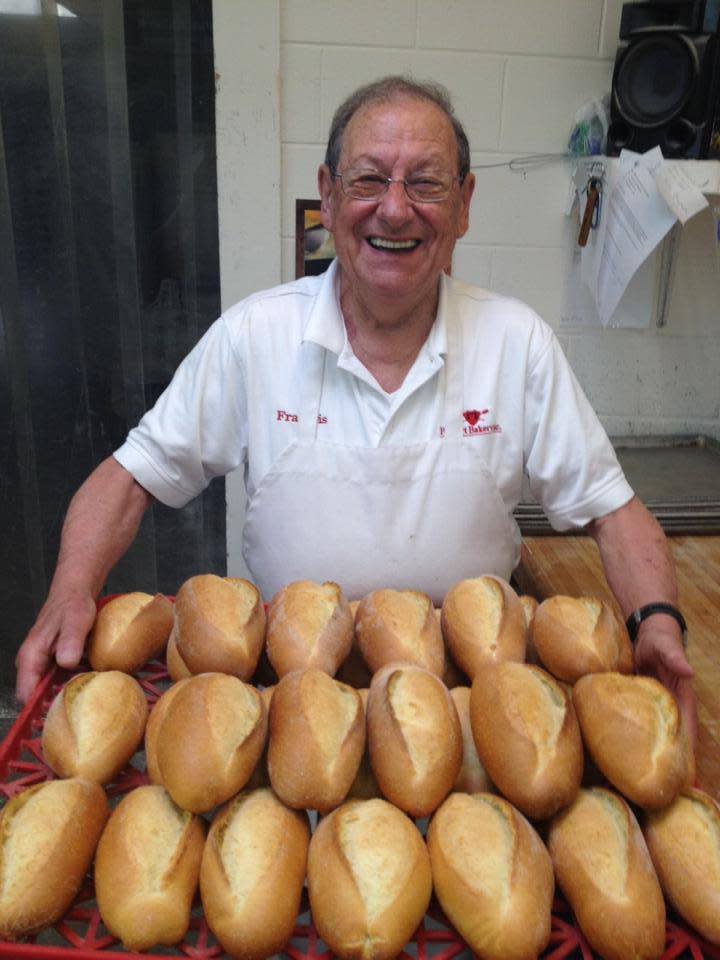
(314, 248)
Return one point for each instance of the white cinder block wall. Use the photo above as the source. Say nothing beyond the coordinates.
(518, 70)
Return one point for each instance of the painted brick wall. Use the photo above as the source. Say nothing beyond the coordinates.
(518, 70)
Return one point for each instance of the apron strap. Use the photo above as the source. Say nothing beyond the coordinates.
(454, 378)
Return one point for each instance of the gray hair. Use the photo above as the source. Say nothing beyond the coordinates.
(385, 90)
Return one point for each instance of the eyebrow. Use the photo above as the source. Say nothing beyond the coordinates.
(433, 160)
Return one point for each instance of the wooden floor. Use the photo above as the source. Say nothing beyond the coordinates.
(571, 566)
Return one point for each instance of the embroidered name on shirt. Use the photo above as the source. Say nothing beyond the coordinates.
(293, 417)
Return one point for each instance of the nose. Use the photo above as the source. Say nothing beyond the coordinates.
(395, 207)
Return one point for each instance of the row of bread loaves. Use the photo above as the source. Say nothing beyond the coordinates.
(218, 624)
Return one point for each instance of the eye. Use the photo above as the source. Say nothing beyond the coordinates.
(366, 179)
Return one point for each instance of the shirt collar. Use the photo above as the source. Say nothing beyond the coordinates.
(325, 324)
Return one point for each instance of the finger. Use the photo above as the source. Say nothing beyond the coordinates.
(74, 632)
(32, 662)
(70, 649)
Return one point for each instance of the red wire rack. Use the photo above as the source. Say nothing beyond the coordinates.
(81, 935)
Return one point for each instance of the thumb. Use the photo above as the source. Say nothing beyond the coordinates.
(675, 661)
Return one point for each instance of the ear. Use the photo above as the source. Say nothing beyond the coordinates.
(466, 191)
(326, 190)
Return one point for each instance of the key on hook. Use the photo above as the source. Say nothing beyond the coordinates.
(592, 209)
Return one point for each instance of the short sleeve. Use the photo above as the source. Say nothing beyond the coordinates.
(571, 465)
(197, 430)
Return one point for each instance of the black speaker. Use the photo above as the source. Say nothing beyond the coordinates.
(666, 81)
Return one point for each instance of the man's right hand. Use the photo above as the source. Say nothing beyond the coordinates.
(101, 523)
(59, 634)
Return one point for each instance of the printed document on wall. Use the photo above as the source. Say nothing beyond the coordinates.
(635, 219)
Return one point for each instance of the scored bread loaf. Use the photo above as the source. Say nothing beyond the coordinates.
(472, 777)
(353, 670)
(129, 630)
(219, 627)
(684, 843)
(364, 786)
(146, 869)
(527, 736)
(252, 874)
(577, 635)
(604, 869)
(369, 880)
(636, 736)
(482, 622)
(94, 725)
(529, 605)
(414, 737)
(210, 740)
(492, 876)
(310, 626)
(399, 626)
(48, 835)
(317, 738)
(152, 728)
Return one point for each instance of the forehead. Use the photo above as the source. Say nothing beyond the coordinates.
(403, 128)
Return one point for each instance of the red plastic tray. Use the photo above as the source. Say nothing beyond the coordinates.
(81, 934)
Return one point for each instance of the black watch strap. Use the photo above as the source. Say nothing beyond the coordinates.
(642, 613)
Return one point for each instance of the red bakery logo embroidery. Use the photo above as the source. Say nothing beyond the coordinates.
(475, 427)
(294, 418)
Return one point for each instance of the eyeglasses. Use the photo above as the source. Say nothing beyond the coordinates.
(420, 187)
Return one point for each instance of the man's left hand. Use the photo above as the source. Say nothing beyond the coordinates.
(659, 653)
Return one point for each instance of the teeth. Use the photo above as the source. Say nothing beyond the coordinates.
(382, 244)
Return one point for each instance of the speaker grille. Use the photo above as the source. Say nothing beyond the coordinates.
(656, 79)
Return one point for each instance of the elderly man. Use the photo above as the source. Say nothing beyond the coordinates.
(384, 413)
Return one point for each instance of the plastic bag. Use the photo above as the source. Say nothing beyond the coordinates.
(589, 134)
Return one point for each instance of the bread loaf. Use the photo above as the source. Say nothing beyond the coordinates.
(48, 835)
(219, 627)
(604, 869)
(252, 874)
(147, 868)
(310, 626)
(153, 727)
(94, 725)
(492, 876)
(529, 605)
(369, 880)
(175, 663)
(578, 635)
(129, 630)
(483, 622)
(414, 737)
(684, 843)
(636, 736)
(472, 777)
(399, 626)
(210, 740)
(364, 786)
(317, 738)
(527, 737)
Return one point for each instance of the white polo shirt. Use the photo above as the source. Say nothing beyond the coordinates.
(235, 400)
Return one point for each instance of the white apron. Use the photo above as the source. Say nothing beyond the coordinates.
(418, 517)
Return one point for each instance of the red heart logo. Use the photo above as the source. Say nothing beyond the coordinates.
(472, 416)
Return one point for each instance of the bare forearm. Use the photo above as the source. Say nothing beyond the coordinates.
(636, 557)
(101, 523)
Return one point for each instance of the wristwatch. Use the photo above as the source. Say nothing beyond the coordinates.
(642, 613)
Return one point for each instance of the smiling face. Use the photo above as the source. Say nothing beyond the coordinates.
(393, 250)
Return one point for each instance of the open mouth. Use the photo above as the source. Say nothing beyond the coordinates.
(395, 246)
